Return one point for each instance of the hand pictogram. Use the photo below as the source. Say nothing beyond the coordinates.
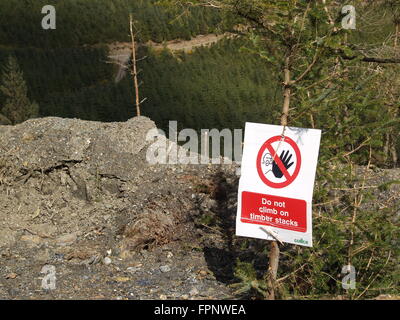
(285, 158)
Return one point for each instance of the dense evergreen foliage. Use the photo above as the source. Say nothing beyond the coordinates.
(344, 89)
(17, 107)
(220, 87)
(217, 87)
(54, 74)
(80, 22)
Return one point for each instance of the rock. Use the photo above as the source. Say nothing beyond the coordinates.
(203, 273)
(31, 240)
(194, 292)
(44, 230)
(81, 253)
(132, 269)
(95, 259)
(43, 255)
(165, 268)
(107, 261)
(11, 275)
(122, 279)
(67, 239)
(163, 297)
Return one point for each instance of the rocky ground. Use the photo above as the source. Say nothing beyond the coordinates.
(79, 200)
(80, 196)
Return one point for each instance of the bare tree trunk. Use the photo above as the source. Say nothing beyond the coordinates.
(274, 248)
(393, 150)
(287, 91)
(393, 146)
(273, 269)
(134, 69)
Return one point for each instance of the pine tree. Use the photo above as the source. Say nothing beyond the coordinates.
(17, 107)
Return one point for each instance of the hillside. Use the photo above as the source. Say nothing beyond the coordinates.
(120, 52)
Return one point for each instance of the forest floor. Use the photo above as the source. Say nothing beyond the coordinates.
(78, 200)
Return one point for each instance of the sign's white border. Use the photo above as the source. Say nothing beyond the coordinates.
(308, 141)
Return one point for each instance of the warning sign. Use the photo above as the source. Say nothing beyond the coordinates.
(271, 167)
(276, 183)
(274, 211)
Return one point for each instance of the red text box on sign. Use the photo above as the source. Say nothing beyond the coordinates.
(279, 212)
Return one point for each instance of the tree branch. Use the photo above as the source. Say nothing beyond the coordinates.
(371, 59)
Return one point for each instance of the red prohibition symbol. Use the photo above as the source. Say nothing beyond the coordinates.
(289, 178)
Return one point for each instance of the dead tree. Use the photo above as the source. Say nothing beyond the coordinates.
(134, 70)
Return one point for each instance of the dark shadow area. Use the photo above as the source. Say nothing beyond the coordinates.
(221, 262)
(221, 255)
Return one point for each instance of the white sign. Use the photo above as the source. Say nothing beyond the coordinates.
(277, 182)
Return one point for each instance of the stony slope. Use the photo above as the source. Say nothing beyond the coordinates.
(72, 190)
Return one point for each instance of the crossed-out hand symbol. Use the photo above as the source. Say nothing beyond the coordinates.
(285, 158)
